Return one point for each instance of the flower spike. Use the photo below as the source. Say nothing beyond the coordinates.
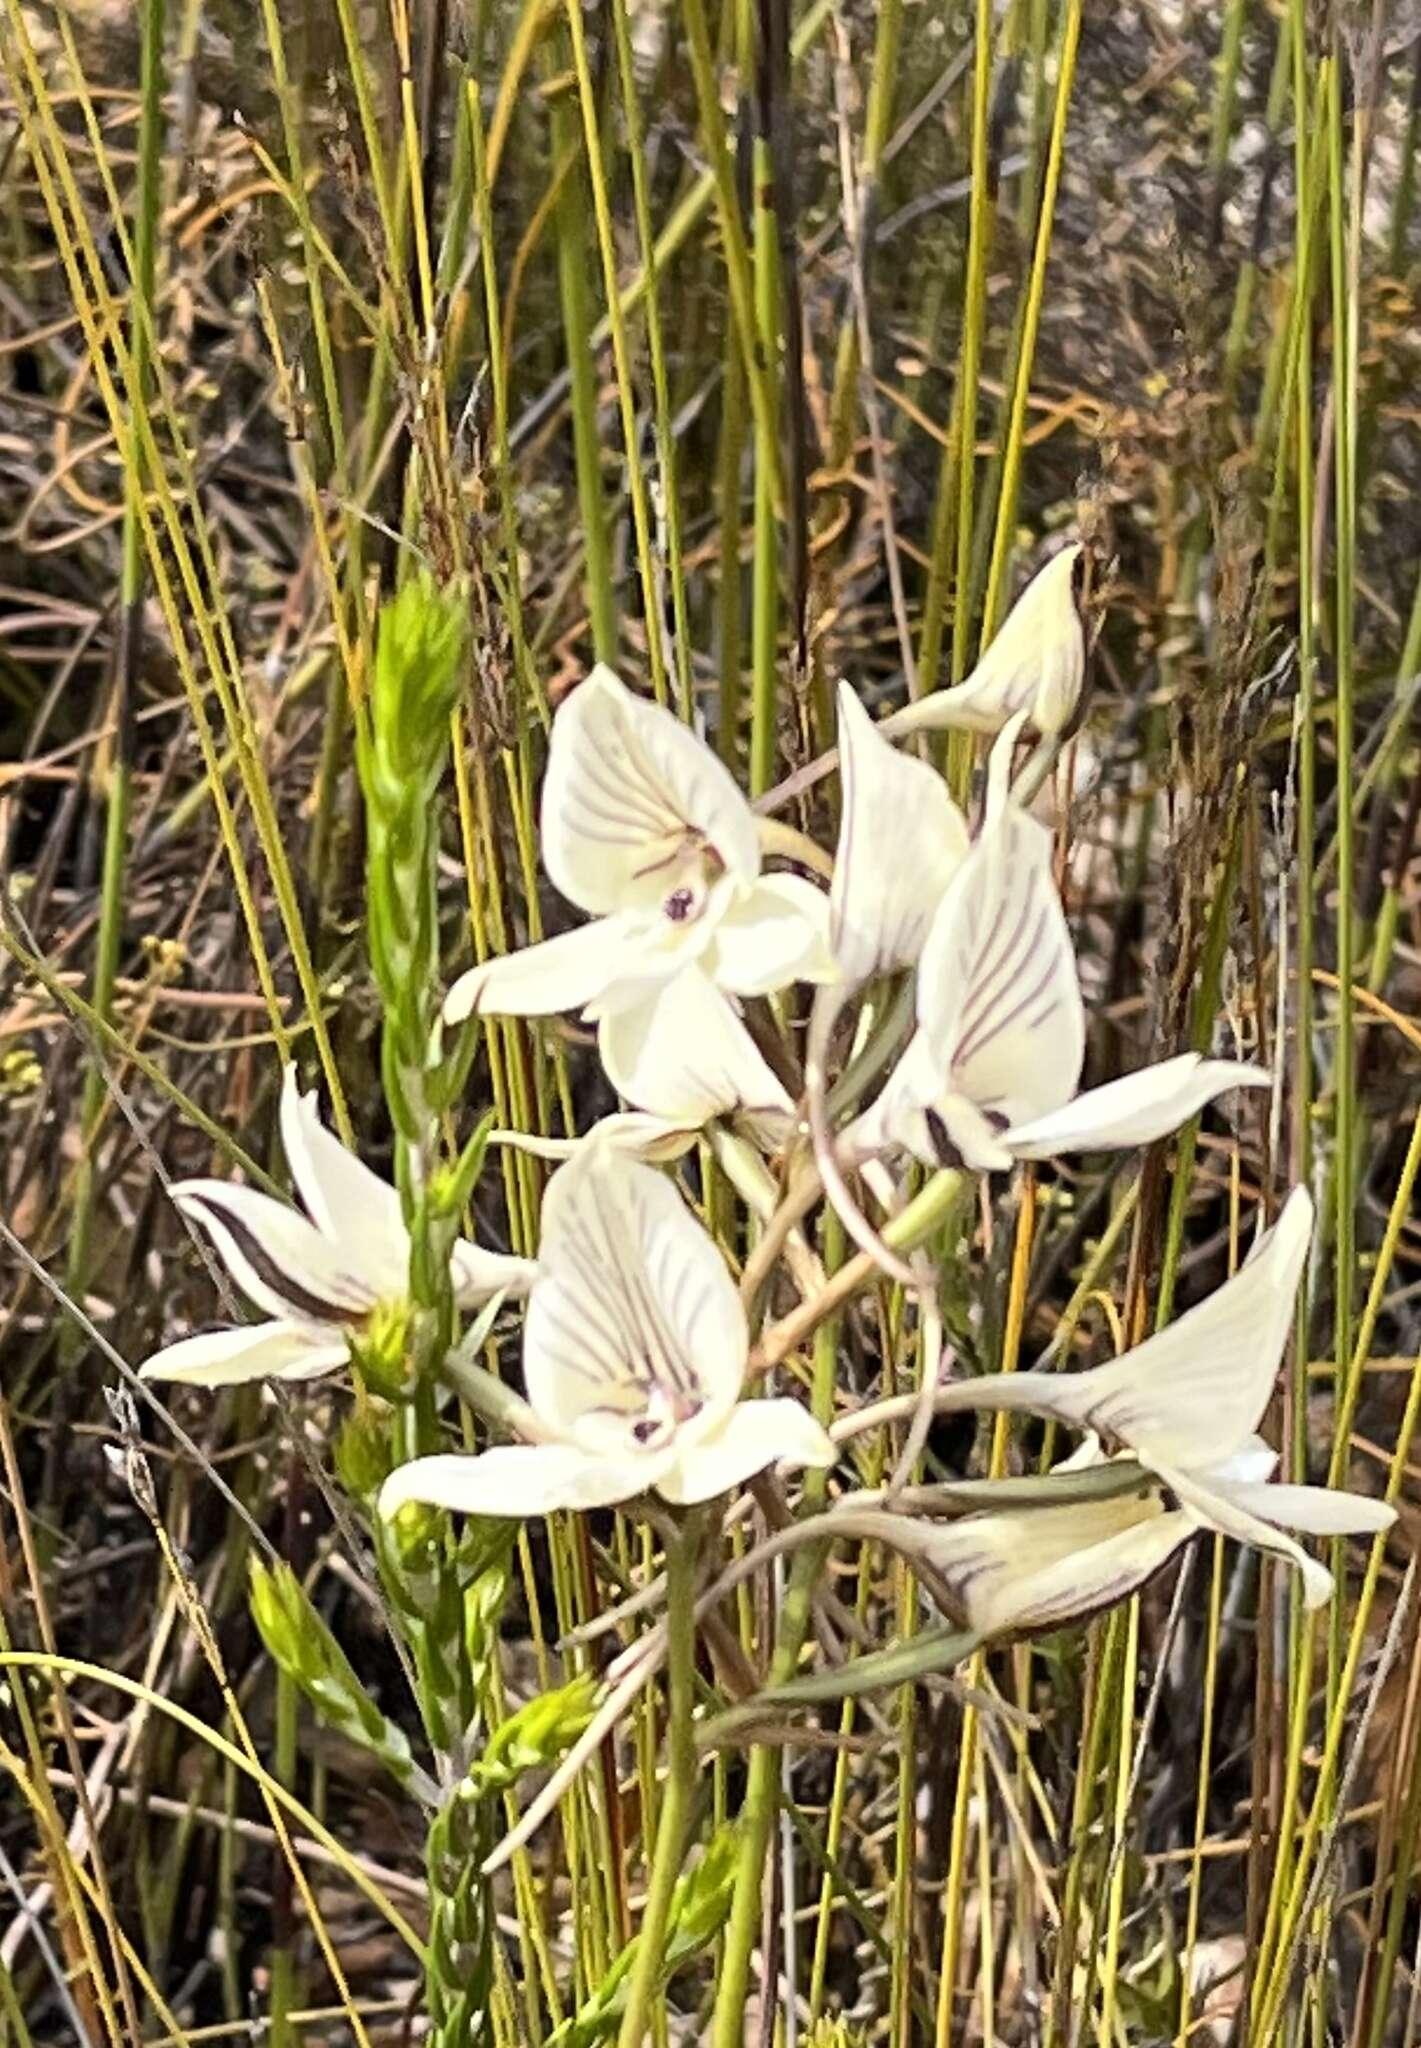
(634, 1352)
(319, 1276)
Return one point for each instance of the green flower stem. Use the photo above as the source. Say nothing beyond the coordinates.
(682, 1765)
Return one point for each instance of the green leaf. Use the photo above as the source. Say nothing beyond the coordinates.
(302, 1645)
(537, 1735)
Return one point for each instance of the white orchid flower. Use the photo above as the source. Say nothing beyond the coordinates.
(683, 1057)
(991, 1073)
(634, 1353)
(1186, 1405)
(1035, 664)
(901, 841)
(643, 827)
(317, 1276)
(1017, 1570)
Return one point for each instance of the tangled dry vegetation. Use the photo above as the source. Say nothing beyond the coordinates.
(372, 309)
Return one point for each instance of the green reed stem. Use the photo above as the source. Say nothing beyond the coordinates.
(572, 240)
(673, 1822)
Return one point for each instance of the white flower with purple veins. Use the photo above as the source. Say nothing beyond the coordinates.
(634, 1353)
(317, 1276)
(1035, 665)
(1186, 1405)
(643, 827)
(991, 1073)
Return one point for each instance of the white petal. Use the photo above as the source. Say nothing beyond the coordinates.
(772, 934)
(557, 974)
(1135, 1110)
(684, 1055)
(901, 839)
(1315, 1510)
(1194, 1394)
(229, 1358)
(627, 786)
(518, 1480)
(998, 997)
(278, 1259)
(755, 1434)
(1216, 1508)
(634, 1322)
(479, 1274)
(347, 1202)
(1040, 1567)
(1036, 663)
(654, 1138)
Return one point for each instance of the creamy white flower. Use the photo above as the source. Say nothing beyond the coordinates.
(318, 1276)
(991, 1073)
(644, 828)
(1014, 1570)
(634, 1353)
(901, 841)
(1035, 664)
(684, 1056)
(1186, 1405)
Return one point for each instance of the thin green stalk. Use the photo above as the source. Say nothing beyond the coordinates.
(621, 351)
(660, 383)
(764, 585)
(948, 550)
(974, 316)
(572, 241)
(673, 1822)
(1035, 296)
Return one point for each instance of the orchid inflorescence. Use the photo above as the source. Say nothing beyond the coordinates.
(947, 1030)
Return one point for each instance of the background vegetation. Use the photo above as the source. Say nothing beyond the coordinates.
(745, 348)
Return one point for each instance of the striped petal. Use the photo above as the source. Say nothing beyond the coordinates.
(901, 840)
(1037, 1568)
(635, 1335)
(998, 998)
(629, 790)
(278, 1259)
(1135, 1110)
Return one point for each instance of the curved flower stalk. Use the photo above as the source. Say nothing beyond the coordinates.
(1186, 1406)
(1035, 664)
(318, 1276)
(634, 1353)
(643, 828)
(991, 1073)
